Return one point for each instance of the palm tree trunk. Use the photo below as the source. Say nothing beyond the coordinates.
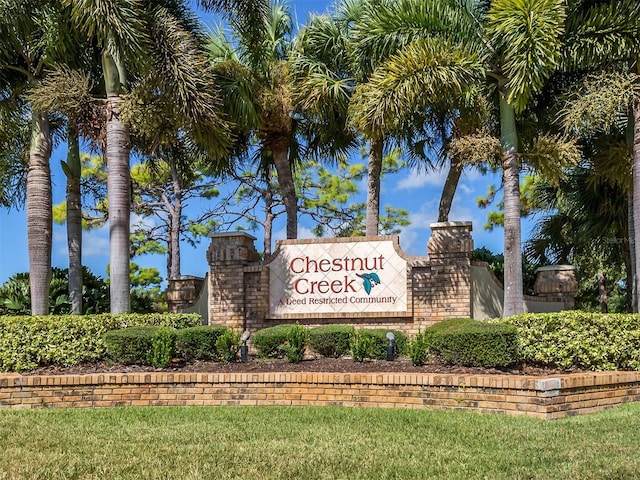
(74, 219)
(39, 214)
(632, 278)
(374, 170)
(269, 217)
(602, 290)
(636, 204)
(119, 194)
(175, 209)
(280, 150)
(449, 189)
(513, 294)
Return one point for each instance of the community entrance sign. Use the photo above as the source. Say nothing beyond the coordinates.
(329, 277)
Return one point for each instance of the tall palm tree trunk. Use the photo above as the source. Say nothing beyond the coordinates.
(449, 189)
(119, 194)
(374, 169)
(513, 290)
(636, 206)
(280, 150)
(74, 219)
(269, 216)
(39, 214)
(175, 210)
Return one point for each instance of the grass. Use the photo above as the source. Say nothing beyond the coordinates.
(314, 443)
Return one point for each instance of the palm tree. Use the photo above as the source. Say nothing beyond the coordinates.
(447, 48)
(257, 87)
(69, 92)
(32, 36)
(585, 217)
(605, 36)
(151, 43)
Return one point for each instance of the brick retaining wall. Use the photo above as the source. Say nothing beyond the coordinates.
(543, 397)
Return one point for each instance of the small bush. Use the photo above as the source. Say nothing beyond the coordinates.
(419, 349)
(131, 345)
(331, 340)
(163, 347)
(199, 343)
(361, 345)
(296, 343)
(268, 341)
(472, 343)
(228, 345)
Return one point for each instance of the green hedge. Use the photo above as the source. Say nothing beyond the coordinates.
(199, 343)
(28, 342)
(331, 340)
(130, 345)
(569, 339)
(472, 343)
(268, 341)
(145, 345)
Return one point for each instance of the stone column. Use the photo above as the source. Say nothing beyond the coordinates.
(183, 292)
(228, 255)
(449, 277)
(450, 239)
(557, 283)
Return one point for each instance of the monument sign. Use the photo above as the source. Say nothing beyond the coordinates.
(337, 278)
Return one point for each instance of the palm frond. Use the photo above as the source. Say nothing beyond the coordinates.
(525, 33)
(602, 32)
(426, 72)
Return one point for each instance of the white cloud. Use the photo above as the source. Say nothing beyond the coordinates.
(95, 243)
(142, 221)
(419, 178)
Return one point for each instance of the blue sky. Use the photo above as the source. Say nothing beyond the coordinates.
(417, 191)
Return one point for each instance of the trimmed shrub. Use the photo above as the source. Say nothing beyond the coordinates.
(199, 343)
(331, 340)
(131, 345)
(268, 341)
(228, 345)
(28, 342)
(472, 343)
(575, 339)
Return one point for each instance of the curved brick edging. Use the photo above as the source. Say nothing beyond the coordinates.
(543, 397)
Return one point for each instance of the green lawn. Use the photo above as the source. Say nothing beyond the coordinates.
(314, 443)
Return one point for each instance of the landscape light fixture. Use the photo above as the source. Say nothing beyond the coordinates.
(243, 348)
(391, 347)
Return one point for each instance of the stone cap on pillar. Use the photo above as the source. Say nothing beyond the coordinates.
(235, 247)
(556, 279)
(450, 237)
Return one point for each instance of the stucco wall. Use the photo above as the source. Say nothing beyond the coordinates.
(488, 295)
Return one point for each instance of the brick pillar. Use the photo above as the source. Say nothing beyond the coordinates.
(557, 283)
(182, 292)
(228, 255)
(450, 249)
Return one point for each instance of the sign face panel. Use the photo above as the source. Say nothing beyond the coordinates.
(337, 277)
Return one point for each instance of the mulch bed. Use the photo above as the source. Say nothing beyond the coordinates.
(320, 364)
